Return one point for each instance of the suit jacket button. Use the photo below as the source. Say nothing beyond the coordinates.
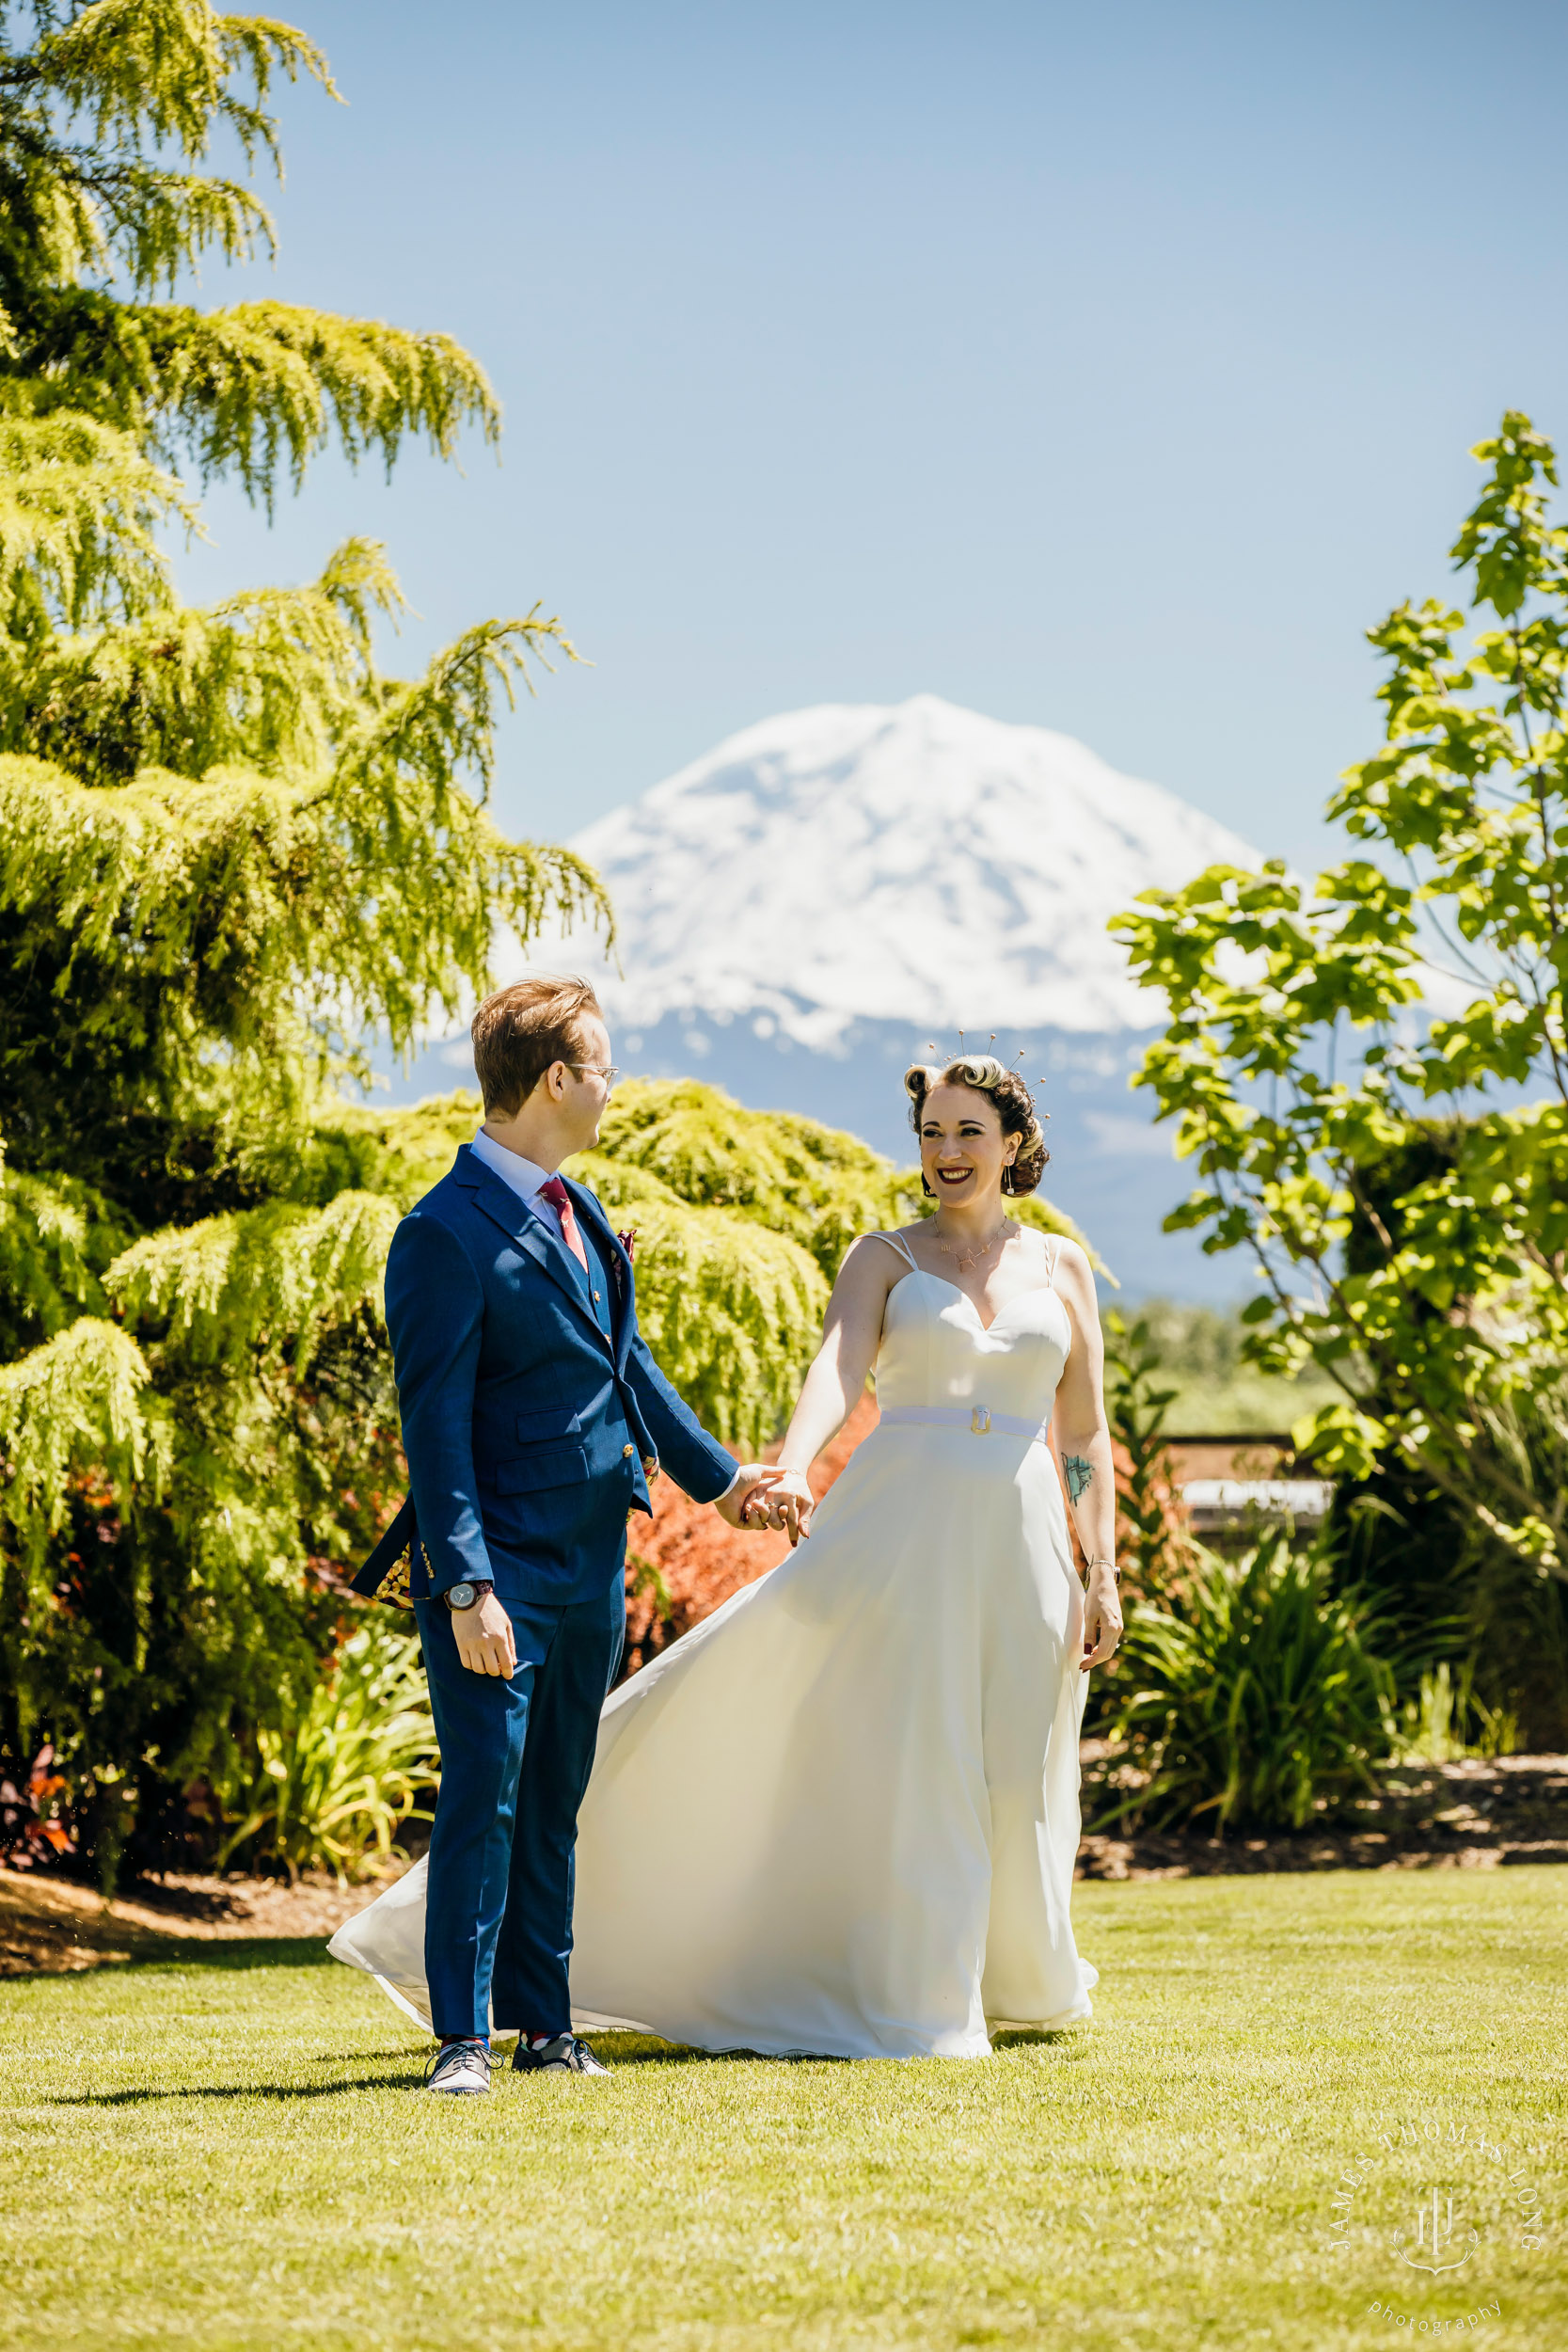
(627, 1453)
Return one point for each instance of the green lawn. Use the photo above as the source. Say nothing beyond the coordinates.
(1247, 1400)
(231, 2149)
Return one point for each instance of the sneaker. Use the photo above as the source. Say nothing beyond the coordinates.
(462, 2066)
(566, 2055)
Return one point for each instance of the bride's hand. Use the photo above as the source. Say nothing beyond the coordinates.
(791, 1504)
(1101, 1616)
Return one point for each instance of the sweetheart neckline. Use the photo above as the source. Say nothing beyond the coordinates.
(1046, 1289)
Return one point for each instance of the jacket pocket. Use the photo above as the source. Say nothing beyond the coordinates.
(548, 1420)
(541, 1466)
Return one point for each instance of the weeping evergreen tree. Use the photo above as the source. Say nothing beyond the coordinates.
(234, 854)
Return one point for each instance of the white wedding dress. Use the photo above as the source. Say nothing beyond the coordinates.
(840, 1817)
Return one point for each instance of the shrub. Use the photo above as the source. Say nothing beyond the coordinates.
(1436, 1727)
(1252, 1698)
(1152, 1536)
(330, 1789)
(35, 1825)
(1458, 1597)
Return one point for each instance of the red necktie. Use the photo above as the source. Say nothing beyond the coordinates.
(555, 1192)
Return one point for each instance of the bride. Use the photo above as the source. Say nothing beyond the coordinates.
(840, 1817)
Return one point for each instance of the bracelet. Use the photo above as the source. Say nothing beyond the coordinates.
(1095, 1560)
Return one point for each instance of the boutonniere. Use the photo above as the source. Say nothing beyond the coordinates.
(629, 1241)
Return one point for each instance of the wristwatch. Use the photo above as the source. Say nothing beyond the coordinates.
(470, 1591)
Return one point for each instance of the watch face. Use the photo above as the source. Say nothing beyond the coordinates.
(461, 1596)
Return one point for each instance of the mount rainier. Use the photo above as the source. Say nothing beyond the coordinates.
(805, 909)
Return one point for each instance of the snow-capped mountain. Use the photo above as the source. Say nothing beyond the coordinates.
(916, 863)
(803, 911)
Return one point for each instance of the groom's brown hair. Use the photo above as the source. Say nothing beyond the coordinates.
(519, 1031)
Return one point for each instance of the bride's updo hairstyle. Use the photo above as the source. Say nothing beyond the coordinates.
(1015, 1108)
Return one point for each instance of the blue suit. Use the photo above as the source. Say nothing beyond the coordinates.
(531, 1407)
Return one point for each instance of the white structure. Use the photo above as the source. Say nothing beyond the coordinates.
(1228, 1503)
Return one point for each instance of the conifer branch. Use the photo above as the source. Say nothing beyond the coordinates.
(79, 506)
(268, 1280)
(57, 1237)
(77, 1402)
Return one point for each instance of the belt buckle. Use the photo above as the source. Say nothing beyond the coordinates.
(979, 1421)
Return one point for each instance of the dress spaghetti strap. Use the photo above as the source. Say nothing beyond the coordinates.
(1052, 1251)
(899, 1244)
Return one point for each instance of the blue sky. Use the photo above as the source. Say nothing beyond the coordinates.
(1109, 368)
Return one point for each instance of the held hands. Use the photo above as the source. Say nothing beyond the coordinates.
(764, 1495)
(788, 1503)
(745, 1504)
(1102, 1616)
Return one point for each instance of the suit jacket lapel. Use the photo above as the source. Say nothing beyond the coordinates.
(607, 1242)
(530, 1231)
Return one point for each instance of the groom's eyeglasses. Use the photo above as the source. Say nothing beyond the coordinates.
(607, 1071)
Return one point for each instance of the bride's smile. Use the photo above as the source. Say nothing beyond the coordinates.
(961, 1156)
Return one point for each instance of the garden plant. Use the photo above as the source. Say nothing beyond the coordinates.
(1372, 1075)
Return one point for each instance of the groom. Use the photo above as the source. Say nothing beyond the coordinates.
(533, 1417)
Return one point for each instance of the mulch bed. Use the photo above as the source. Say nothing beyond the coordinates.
(53, 1927)
(1467, 1816)
(1471, 1816)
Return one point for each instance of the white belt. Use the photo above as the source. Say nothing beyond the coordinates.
(975, 1418)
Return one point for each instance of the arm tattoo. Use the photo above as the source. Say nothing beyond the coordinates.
(1078, 1473)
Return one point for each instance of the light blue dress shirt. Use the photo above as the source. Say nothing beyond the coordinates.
(524, 1176)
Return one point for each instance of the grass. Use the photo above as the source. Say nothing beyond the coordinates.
(230, 2150)
(1245, 1400)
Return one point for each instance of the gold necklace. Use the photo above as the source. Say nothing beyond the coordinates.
(969, 1257)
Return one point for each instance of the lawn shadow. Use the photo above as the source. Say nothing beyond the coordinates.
(237, 1953)
(1043, 2037)
(638, 2050)
(646, 2049)
(145, 1952)
(141, 2095)
(629, 2049)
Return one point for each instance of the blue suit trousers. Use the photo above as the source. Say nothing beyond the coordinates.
(515, 1757)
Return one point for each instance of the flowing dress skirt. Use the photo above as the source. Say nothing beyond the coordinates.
(841, 1815)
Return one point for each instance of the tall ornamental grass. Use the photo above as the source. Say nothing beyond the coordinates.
(1251, 1699)
(330, 1789)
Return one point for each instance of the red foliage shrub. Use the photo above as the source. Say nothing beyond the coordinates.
(34, 1818)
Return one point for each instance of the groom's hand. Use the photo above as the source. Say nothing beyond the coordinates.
(745, 1506)
(790, 1505)
(485, 1642)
